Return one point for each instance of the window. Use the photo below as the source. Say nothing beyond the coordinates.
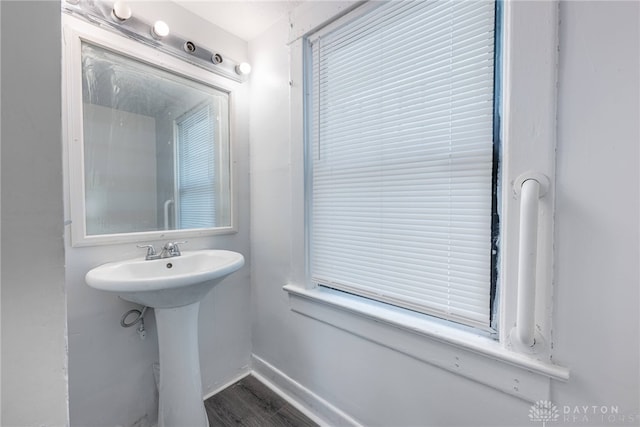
(526, 34)
(401, 157)
(196, 183)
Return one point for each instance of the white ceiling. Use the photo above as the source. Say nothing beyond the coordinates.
(246, 19)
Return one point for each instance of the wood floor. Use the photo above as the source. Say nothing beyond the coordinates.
(252, 404)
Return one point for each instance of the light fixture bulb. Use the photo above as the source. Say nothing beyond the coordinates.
(160, 29)
(121, 11)
(243, 68)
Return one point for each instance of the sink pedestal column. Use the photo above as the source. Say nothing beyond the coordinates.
(180, 385)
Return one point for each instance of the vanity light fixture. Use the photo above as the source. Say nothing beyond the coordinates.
(243, 68)
(117, 16)
(160, 30)
(121, 11)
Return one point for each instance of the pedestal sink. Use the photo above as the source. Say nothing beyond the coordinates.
(174, 287)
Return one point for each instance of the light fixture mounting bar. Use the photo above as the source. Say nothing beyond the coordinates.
(101, 13)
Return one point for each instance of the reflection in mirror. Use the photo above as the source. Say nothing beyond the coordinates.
(156, 148)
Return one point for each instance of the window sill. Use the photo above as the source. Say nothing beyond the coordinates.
(470, 354)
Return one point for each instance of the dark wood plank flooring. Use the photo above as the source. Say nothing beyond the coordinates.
(252, 404)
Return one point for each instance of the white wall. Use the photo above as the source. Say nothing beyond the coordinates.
(597, 325)
(596, 267)
(34, 359)
(110, 369)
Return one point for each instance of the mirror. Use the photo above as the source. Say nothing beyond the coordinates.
(155, 148)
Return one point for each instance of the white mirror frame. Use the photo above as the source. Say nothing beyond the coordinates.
(75, 31)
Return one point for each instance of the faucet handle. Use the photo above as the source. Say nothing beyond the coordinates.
(176, 248)
(151, 251)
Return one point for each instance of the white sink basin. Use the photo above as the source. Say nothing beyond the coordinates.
(166, 282)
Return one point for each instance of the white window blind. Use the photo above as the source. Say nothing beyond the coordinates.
(196, 186)
(401, 116)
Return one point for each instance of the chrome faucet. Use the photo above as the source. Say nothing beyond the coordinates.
(169, 250)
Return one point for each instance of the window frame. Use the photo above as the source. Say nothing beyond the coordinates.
(528, 126)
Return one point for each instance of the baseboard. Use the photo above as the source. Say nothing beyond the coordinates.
(232, 381)
(303, 399)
